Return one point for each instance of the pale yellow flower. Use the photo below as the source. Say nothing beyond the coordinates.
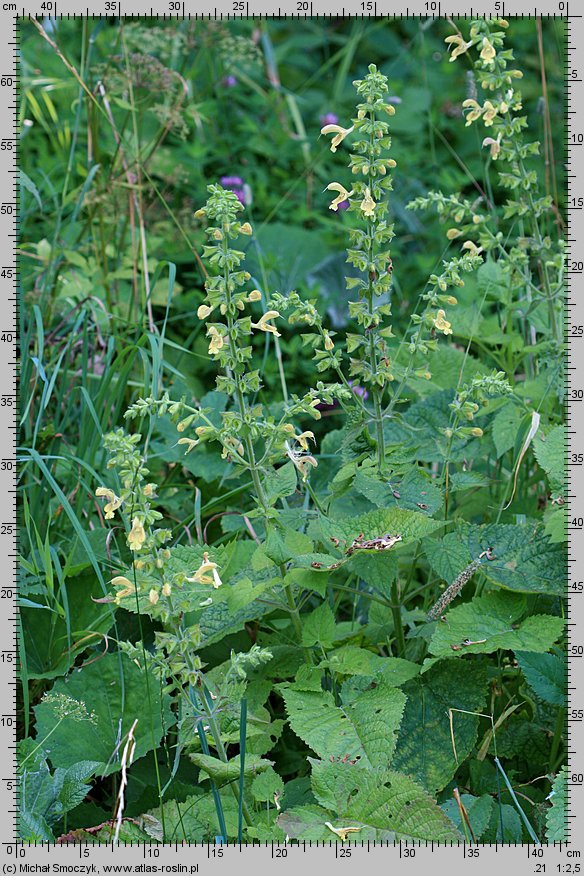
(452, 233)
(246, 229)
(342, 196)
(328, 341)
(475, 110)
(136, 536)
(204, 311)
(494, 144)
(489, 113)
(368, 204)
(255, 295)
(263, 324)
(442, 324)
(302, 439)
(476, 432)
(201, 576)
(472, 247)
(460, 46)
(190, 442)
(126, 585)
(342, 832)
(488, 51)
(153, 596)
(217, 340)
(166, 589)
(339, 132)
(113, 501)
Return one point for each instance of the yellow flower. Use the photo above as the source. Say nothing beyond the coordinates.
(328, 341)
(166, 589)
(475, 110)
(339, 132)
(204, 311)
(201, 576)
(246, 229)
(342, 196)
(136, 536)
(442, 324)
(488, 51)
(190, 442)
(368, 204)
(472, 247)
(255, 295)
(149, 490)
(302, 439)
(489, 113)
(113, 502)
(263, 324)
(459, 43)
(452, 233)
(217, 340)
(342, 831)
(476, 432)
(494, 144)
(153, 596)
(126, 585)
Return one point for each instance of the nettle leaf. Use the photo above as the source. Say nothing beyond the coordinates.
(318, 627)
(424, 748)
(352, 660)
(280, 483)
(411, 525)
(195, 819)
(545, 674)
(414, 491)
(525, 560)
(447, 556)
(115, 692)
(395, 802)
(556, 524)
(478, 809)
(550, 452)
(556, 820)
(306, 823)
(490, 623)
(266, 784)
(364, 729)
(467, 480)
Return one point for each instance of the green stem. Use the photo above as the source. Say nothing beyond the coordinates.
(397, 620)
(558, 736)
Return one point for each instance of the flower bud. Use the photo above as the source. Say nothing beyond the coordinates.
(476, 432)
(204, 311)
(246, 229)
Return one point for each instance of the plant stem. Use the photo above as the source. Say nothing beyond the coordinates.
(558, 736)
(397, 619)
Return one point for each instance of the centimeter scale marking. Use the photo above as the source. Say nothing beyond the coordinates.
(560, 858)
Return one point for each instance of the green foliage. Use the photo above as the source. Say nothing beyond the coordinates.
(265, 441)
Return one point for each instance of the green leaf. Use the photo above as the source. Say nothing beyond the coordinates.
(424, 748)
(280, 483)
(478, 809)
(505, 428)
(447, 556)
(411, 525)
(266, 785)
(318, 627)
(305, 823)
(195, 819)
(352, 660)
(115, 692)
(550, 452)
(410, 492)
(556, 829)
(222, 772)
(489, 622)
(545, 674)
(364, 729)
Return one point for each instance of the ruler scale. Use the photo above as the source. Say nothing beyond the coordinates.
(263, 858)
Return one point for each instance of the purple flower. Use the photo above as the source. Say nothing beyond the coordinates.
(393, 99)
(344, 205)
(229, 181)
(229, 82)
(359, 390)
(329, 119)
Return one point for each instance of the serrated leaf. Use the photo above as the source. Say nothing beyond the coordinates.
(545, 674)
(550, 452)
(489, 624)
(411, 525)
(505, 427)
(410, 492)
(364, 729)
(281, 483)
(556, 830)
(447, 556)
(318, 627)
(424, 748)
(352, 660)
